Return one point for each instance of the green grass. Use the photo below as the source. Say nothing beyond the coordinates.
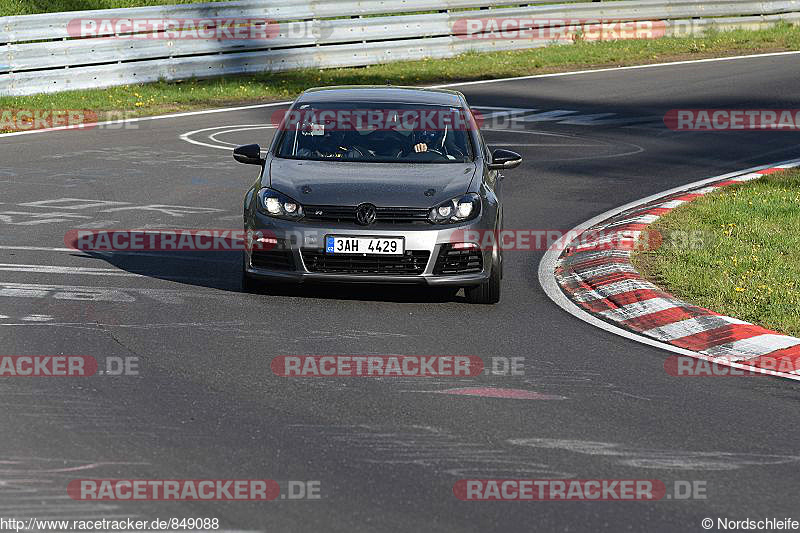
(30, 7)
(195, 94)
(749, 265)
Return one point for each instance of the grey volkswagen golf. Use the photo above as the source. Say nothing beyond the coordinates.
(376, 184)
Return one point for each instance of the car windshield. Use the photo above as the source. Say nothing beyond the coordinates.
(390, 133)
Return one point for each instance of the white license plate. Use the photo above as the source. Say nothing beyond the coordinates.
(364, 245)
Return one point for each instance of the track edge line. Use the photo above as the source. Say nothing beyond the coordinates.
(547, 279)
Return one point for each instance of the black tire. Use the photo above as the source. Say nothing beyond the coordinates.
(487, 292)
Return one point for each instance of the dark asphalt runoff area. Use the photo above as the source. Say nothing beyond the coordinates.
(385, 452)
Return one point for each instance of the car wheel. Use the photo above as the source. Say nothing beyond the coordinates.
(487, 292)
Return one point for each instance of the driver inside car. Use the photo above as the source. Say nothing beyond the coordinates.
(429, 140)
(437, 142)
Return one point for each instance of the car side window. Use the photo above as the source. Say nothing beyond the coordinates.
(484, 148)
(490, 177)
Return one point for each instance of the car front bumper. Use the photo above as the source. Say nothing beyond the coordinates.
(297, 239)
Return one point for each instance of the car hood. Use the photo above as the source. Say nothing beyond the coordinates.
(381, 184)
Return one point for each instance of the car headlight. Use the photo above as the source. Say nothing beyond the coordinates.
(279, 205)
(458, 209)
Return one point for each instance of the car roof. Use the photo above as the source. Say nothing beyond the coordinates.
(382, 93)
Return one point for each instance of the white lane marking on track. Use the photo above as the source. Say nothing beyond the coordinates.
(636, 148)
(645, 122)
(97, 224)
(49, 269)
(542, 133)
(555, 115)
(73, 204)
(105, 255)
(631, 395)
(497, 112)
(548, 281)
(235, 127)
(97, 294)
(563, 116)
(25, 218)
(38, 318)
(440, 86)
(37, 248)
(213, 136)
(79, 253)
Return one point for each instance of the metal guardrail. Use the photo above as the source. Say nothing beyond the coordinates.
(40, 53)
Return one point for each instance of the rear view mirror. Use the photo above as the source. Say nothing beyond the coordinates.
(249, 154)
(505, 159)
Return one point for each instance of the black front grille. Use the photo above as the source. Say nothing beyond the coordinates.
(384, 215)
(410, 263)
(273, 259)
(458, 261)
(402, 215)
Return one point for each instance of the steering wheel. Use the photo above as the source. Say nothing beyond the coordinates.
(358, 150)
(408, 152)
(421, 156)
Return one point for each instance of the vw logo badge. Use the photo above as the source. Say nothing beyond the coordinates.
(365, 214)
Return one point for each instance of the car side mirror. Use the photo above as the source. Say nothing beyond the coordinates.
(504, 160)
(249, 154)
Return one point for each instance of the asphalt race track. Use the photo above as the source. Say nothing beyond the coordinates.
(386, 452)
